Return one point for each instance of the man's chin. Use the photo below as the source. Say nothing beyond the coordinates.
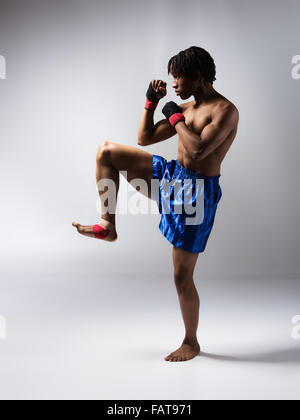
(184, 96)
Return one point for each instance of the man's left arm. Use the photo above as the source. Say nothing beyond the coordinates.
(212, 136)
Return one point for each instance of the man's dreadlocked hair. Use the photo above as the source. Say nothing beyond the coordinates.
(186, 62)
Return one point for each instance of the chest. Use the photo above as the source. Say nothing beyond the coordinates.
(196, 120)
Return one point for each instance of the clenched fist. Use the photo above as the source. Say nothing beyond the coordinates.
(157, 90)
(173, 113)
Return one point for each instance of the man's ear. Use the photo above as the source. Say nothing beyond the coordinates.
(197, 75)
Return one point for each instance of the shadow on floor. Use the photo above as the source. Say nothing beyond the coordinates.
(288, 355)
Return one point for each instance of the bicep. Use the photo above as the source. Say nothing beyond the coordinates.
(162, 130)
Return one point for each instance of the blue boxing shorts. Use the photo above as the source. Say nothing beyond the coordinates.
(187, 202)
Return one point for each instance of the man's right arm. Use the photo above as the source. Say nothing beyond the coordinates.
(148, 133)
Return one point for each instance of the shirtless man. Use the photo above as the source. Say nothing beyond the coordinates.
(206, 128)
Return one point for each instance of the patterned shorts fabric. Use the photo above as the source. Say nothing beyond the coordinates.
(181, 189)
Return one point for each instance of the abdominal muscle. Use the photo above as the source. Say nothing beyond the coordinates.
(210, 166)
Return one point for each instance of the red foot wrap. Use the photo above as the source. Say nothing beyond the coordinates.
(100, 232)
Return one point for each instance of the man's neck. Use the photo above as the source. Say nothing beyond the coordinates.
(205, 94)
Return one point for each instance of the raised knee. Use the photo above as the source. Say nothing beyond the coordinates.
(104, 150)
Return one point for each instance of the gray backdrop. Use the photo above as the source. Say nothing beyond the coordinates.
(76, 75)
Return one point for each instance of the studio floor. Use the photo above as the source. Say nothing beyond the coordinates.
(88, 338)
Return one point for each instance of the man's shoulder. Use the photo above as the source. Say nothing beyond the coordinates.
(219, 102)
(223, 103)
(224, 106)
(218, 107)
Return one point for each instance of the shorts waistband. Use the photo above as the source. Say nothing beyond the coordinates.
(188, 173)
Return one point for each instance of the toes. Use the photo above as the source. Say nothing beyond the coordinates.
(78, 227)
(173, 358)
(180, 358)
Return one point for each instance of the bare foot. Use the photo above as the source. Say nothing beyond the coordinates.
(185, 352)
(103, 230)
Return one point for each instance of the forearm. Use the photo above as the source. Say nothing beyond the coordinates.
(153, 95)
(146, 125)
(190, 140)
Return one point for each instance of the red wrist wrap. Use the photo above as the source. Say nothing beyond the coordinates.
(176, 117)
(150, 106)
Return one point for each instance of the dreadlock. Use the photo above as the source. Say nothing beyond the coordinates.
(186, 62)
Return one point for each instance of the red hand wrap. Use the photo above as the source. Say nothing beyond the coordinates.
(150, 106)
(176, 117)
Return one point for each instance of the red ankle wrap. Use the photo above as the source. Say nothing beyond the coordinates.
(100, 232)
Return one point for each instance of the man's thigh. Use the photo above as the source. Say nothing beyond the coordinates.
(137, 163)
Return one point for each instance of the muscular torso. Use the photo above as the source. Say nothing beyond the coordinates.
(196, 119)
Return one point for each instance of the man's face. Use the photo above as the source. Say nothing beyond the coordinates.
(184, 86)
